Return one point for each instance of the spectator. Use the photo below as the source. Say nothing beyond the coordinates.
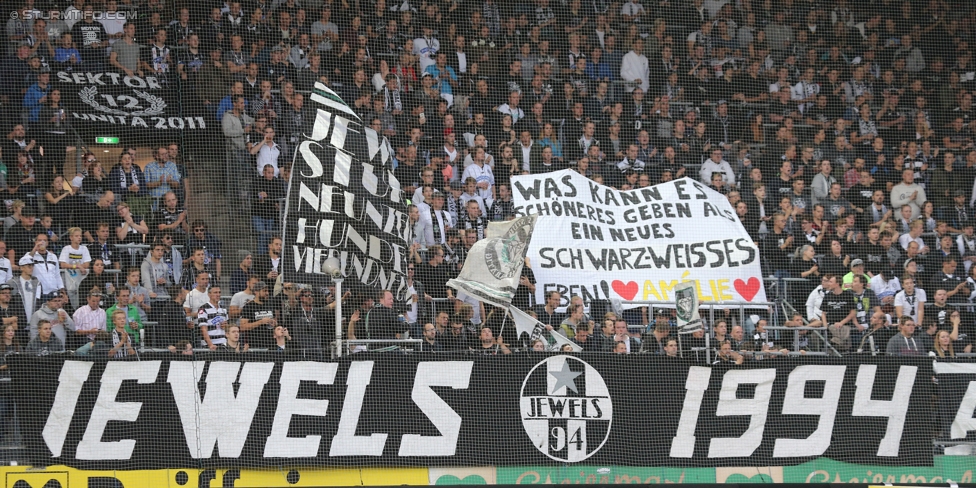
(213, 321)
(162, 176)
(908, 193)
(52, 311)
(266, 207)
(905, 343)
(121, 336)
(200, 238)
(125, 303)
(75, 261)
(258, 318)
(126, 56)
(267, 151)
(239, 299)
(47, 268)
(45, 342)
(89, 319)
(716, 164)
(91, 36)
(37, 95)
(236, 126)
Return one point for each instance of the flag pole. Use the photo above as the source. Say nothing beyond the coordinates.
(500, 331)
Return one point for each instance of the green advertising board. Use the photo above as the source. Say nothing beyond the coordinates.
(602, 475)
(958, 469)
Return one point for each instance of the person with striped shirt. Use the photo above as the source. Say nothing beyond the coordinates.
(211, 319)
(121, 342)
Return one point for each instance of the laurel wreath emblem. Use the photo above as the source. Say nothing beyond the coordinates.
(156, 104)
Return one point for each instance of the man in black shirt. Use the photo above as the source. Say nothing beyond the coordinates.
(861, 193)
(20, 237)
(777, 245)
(434, 274)
(381, 321)
(839, 312)
(547, 313)
(956, 288)
(259, 318)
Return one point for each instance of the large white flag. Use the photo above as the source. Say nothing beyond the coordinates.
(494, 264)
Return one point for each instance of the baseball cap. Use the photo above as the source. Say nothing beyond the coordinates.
(457, 185)
(26, 260)
(857, 262)
(907, 262)
(4, 286)
(959, 193)
(259, 286)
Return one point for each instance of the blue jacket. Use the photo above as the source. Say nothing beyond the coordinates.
(32, 100)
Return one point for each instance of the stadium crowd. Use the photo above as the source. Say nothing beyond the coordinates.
(842, 133)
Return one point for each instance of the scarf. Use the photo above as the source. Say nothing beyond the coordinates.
(124, 179)
(391, 100)
(438, 234)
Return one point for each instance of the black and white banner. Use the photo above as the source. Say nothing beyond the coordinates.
(117, 104)
(343, 200)
(376, 409)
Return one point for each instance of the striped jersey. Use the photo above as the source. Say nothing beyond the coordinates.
(213, 318)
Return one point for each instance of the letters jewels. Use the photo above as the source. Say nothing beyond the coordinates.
(566, 409)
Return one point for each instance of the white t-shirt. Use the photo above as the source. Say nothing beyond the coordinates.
(240, 299)
(71, 255)
(910, 304)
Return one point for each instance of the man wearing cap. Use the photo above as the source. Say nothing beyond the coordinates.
(52, 311)
(857, 268)
(47, 268)
(89, 319)
(306, 324)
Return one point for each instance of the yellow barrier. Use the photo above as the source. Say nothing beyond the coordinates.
(212, 478)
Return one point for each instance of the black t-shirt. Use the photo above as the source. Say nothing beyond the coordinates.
(85, 34)
(835, 307)
(874, 256)
(20, 239)
(261, 336)
(380, 323)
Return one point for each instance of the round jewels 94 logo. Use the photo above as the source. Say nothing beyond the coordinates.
(566, 409)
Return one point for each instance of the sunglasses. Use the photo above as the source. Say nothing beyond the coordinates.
(199, 230)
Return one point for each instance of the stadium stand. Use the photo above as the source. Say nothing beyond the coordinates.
(148, 146)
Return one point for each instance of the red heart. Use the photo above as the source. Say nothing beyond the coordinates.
(747, 289)
(627, 290)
